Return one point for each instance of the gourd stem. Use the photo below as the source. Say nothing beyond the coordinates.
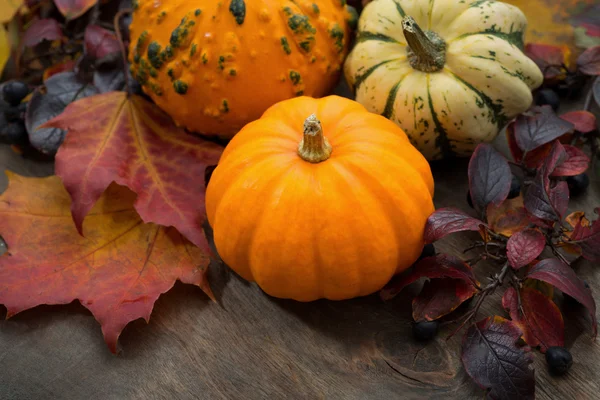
(426, 50)
(314, 147)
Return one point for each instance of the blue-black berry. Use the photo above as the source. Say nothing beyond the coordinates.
(578, 184)
(15, 91)
(515, 188)
(425, 330)
(428, 251)
(14, 133)
(559, 360)
(547, 97)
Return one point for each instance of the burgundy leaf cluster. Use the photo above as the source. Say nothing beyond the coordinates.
(558, 68)
(528, 234)
(67, 51)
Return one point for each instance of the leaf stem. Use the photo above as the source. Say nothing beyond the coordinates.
(116, 20)
(557, 253)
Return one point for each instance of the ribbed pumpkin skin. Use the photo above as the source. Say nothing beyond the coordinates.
(485, 82)
(214, 66)
(337, 229)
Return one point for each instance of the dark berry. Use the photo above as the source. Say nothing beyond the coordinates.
(469, 199)
(547, 97)
(425, 330)
(578, 184)
(14, 92)
(428, 251)
(14, 133)
(12, 113)
(515, 188)
(559, 360)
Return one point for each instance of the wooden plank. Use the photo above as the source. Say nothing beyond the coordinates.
(252, 346)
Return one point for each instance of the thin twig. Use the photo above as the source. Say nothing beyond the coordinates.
(557, 253)
(588, 98)
(122, 45)
(489, 289)
(94, 14)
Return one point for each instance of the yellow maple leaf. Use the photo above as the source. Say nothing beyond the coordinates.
(8, 9)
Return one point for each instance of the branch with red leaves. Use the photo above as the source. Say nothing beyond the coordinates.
(526, 233)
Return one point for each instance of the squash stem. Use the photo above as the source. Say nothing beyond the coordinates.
(426, 50)
(314, 147)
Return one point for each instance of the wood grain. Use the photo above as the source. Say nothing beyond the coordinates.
(252, 346)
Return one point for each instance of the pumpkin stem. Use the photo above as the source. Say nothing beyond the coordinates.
(314, 147)
(426, 50)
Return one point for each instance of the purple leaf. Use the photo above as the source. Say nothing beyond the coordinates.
(60, 90)
(445, 221)
(494, 361)
(100, 42)
(440, 297)
(589, 61)
(489, 177)
(524, 247)
(542, 200)
(561, 276)
(438, 266)
(42, 29)
(539, 126)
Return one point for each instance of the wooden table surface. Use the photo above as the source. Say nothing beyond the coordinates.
(252, 346)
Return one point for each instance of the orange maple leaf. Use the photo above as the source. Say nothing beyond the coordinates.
(130, 141)
(72, 9)
(117, 271)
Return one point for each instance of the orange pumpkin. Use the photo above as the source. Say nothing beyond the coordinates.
(216, 65)
(329, 205)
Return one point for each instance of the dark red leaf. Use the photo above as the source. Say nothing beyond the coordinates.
(577, 162)
(524, 247)
(548, 58)
(489, 177)
(584, 121)
(542, 200)
(493, 360)
(445, 221)
(589, 61)
(99, 42)
(515, 150)
(561, 276)
(539, 318)
(42, 29)
(438, 266)
(540, 222)
(539, 126)
(440, 297)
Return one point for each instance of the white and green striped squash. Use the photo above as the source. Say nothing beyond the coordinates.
(450, 73)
